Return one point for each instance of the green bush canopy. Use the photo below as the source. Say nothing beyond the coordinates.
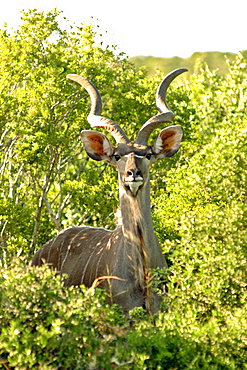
(47, 183)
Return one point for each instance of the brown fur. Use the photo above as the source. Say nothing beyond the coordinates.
(119, 261)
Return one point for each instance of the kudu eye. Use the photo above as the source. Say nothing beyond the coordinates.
(149, 155)
(117, 157)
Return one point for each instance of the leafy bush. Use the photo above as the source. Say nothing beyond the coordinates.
(201, 216)
(46, 326)
(45, 176)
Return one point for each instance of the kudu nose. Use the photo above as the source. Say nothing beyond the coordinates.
(134, 173)
(133, 180)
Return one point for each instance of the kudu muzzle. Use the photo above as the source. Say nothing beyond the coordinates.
(133, 178)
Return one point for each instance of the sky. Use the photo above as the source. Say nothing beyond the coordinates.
(161, 28)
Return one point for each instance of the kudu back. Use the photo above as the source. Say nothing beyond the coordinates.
(120, 260)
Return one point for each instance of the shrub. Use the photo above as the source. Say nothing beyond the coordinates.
(44, 325)
(47, 326)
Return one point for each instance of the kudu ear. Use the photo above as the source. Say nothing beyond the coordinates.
(168, 142)
(97, 146)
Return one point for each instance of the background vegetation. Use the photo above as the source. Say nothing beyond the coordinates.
(47, 183)
(214, 59)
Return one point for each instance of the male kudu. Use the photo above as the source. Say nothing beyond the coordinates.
(120, 259)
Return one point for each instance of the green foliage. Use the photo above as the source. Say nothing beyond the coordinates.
(201, 217)
(47, 326)
(214, 59)
(42, 168)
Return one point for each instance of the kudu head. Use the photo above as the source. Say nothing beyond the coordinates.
(132, 159)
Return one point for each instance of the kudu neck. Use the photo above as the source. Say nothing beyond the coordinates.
(137, 227)
(135, 211)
